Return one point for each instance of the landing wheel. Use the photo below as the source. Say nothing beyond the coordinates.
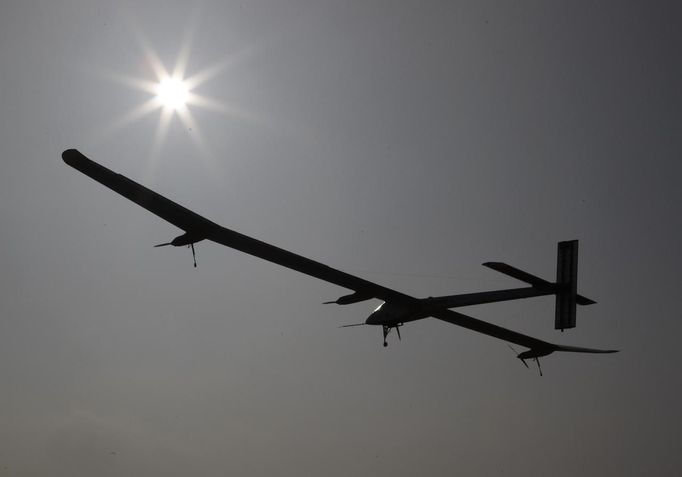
(385, 344)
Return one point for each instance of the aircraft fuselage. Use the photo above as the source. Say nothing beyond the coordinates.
(393, 314)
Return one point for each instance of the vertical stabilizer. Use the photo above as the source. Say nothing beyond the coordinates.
(567, 284)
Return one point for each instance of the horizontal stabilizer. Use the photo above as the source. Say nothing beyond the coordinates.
(581, 300)
(565, 288)
(536, 282)
(514, 272)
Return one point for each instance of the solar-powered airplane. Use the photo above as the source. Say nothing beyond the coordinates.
(397, 308)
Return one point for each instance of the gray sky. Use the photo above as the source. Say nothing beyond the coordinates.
(405, 142)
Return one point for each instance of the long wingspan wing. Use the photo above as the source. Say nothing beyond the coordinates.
(508, 335)
(249, 245)
(578, 349)
(150, 200)
(492, 330)
(194, 223)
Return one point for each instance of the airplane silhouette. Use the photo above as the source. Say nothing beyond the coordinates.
(397, 308)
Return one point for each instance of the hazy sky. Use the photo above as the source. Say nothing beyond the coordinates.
(404, 142)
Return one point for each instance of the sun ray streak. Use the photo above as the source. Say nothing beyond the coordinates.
(127, 80)
(210, 72)
(127, 119)
(172, 92)
(204, 75)
(188, 121)
(206, 102)
(212, 104)
(153, 59)
(180, 69)
(159, 137)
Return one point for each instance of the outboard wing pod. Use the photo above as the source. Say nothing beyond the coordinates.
(352, 298)
(189, 238)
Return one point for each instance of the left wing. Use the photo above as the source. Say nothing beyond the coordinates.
(150, 200)
(202, 228)
(199, 226)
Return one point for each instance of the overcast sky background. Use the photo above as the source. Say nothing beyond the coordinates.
(404, 142)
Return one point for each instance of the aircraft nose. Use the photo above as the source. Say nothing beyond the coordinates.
(371, 320)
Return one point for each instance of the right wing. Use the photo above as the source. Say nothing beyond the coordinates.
(508, 335)
(492, 330)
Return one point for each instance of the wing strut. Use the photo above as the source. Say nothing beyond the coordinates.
(194, 255)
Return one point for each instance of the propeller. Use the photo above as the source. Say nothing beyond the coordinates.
(190, 245)
(535, 358)
(517, 355)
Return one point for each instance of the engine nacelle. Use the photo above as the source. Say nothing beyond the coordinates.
(187, 238)
(352, 298)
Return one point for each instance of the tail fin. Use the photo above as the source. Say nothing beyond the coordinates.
(565, 288)
(567, 284)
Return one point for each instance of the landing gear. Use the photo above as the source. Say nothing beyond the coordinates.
(387, 330)
(194, 255)
(537, 360)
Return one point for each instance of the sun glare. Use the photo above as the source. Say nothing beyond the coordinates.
(172, 93)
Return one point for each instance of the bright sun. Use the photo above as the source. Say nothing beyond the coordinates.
(172, 93)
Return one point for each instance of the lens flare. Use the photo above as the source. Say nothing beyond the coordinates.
(172, 93)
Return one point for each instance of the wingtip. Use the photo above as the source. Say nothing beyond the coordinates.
(578, 349)
(70, 156)
(492, 264)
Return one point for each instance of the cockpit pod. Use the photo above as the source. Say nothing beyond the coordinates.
(394, 314)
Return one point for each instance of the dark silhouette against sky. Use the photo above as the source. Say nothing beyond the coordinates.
(402, 142)
(396, 308)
